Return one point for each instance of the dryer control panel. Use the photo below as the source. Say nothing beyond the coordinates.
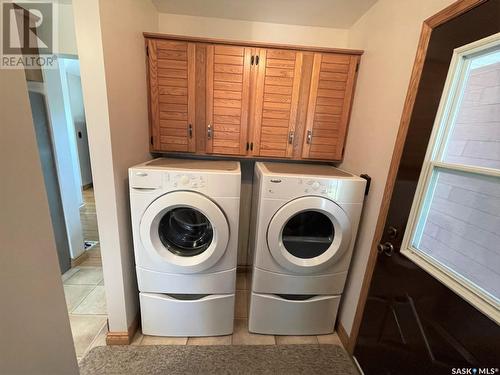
(286, 187)
(188, 181)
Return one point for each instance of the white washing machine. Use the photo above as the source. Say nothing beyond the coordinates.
(304, 224)
(185, 227)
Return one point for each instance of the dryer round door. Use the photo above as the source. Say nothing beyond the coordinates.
(308, 234)
(186, 230)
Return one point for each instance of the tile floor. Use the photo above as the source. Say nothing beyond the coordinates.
(86, 302)
(84, 287)
(240, 336)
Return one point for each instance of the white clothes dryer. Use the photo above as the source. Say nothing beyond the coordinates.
(185, 227)
(304, 223)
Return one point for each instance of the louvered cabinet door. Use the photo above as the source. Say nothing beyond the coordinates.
(172, 95)
(276, 101)
(330, 97)
(227, 99)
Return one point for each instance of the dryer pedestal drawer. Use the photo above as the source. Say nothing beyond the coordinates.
(274, 315)
(164, 315)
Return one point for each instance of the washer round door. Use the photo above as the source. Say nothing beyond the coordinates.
(186, 230)
(308, 234)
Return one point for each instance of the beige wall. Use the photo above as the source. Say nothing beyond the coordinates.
(125, 67)
(113, 72)
(252, 31)
(388, 33)
(34, 324)
(66, 31)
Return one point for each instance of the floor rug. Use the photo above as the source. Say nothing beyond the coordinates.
(248, 359)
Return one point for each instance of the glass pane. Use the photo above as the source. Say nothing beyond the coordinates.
(475, 136)
(308, 234)
(185, 231)
(460, 227)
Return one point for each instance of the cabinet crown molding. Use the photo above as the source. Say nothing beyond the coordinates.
(298, 47)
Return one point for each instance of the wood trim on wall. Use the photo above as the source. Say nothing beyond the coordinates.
(343, 336)
(452, 11)
(79, 259)
(252, 44)
(123, 338)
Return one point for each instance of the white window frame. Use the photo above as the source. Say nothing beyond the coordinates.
(445, 118)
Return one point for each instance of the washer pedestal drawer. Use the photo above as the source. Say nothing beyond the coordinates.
(164, 315)
(274, 315)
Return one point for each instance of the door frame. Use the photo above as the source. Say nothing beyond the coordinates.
(447, 14)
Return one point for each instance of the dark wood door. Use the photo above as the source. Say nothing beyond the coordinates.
(412, 323)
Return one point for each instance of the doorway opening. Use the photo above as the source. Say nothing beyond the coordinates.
(57, 106)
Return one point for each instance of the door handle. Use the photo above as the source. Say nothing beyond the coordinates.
(290, 137)
(386, 248)
(309, 136)
(190, 130)
(209, 131)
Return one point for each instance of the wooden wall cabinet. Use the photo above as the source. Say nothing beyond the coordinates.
(172, 95)
(329, 106)
(227, 99)
(247, 100)
(276, 100)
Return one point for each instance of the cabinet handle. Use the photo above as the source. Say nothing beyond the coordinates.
(290, 137)
(251, 60)
(257, 60)
(190, 130)
(209, 131)
(251, 146)
(309, 136)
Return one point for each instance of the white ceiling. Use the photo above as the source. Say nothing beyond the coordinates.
(327, 13)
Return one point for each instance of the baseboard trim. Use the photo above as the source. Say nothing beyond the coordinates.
(79, 259)
(123, 338)
(117, 338)
(344, 337)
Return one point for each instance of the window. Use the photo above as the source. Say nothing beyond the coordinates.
(454, 227)
(185, 231)
(308, 234)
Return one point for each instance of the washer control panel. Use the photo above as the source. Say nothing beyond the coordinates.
(285, 187)
(189, 181)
